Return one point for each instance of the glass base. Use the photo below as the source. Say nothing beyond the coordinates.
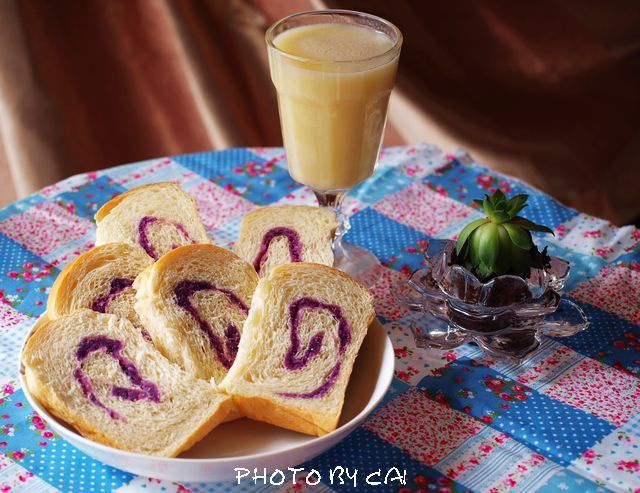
(358, 262)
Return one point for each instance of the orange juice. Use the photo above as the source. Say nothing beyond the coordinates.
(333, 83)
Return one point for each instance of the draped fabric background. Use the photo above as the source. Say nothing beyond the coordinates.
(547, 91)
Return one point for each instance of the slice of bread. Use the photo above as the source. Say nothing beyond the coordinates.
(277, 235)
(155, 218)
(101, 280)
(300, 341)
(97, 373)
(194, 301)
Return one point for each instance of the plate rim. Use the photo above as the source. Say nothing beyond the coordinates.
(356, 420)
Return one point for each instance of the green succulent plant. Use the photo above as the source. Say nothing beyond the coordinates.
(501, 242)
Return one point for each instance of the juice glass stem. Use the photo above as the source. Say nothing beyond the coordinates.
(333, 199)
(356, 261)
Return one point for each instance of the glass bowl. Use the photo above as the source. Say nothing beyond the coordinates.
(505, 316)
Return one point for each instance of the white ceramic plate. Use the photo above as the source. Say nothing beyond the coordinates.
(246, 443)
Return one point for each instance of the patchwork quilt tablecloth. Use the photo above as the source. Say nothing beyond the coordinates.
(568, 420)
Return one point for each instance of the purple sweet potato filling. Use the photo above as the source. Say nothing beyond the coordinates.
(225, 351)
(146, 389)
(293, 361)
(320, 391)
(295, 245)
(129, 394)
(87, 388)
(117, 286)
(143, 236)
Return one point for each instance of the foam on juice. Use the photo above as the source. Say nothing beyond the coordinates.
(333, 42)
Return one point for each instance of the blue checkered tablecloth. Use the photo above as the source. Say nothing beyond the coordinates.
(568, 420)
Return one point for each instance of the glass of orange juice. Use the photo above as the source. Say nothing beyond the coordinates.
(333, 71)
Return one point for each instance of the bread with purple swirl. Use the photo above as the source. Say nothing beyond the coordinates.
(275, 235)
(300, 341)
(194, 301)
(101, 280)
(155, 218)
(97, 373)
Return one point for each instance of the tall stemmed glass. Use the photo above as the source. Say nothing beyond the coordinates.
(334, 71)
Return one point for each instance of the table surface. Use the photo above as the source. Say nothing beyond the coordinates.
(567, 420)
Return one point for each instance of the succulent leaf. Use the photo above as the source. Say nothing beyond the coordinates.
(468, 229)
(517, 203)
(499, 216)
(531, 226)
(488, 244)
(473, 252)
(498, 197)
(503, 260)
(487, 205)
(519, 236)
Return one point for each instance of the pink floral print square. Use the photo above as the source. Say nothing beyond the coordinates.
(45, 227)
(421, 427)
(616, 289)
(423, 209)
(598, 389)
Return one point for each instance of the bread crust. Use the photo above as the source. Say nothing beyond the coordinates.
(52, 300)
(67, 280)
(303, 421)
(176, 255)
(293, 266)
(267, 210)
(219, 416)
(111, 204)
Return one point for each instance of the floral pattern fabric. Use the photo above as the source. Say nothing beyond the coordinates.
(566, 420)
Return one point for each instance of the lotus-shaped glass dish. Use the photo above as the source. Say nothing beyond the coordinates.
(505, 316)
